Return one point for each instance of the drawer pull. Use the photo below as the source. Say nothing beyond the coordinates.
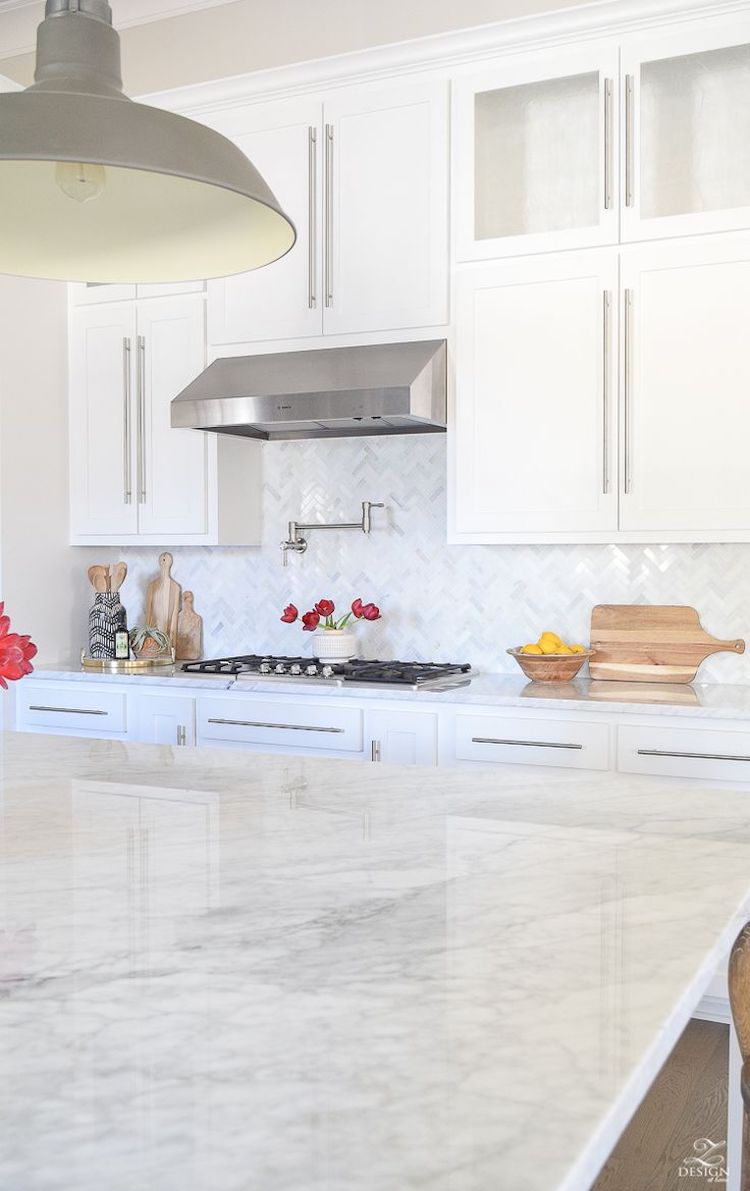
(280, 727)
(68, 710)
(530, 744)
(691, 756)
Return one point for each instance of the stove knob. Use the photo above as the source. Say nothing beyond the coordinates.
(328, 671)
(311, 670)
(295, 668)
(265, 668)
(279, 668)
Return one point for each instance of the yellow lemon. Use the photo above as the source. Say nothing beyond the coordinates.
(578, 648)
(548, 636)
(549, 645)
(531, 649)
(564, 648)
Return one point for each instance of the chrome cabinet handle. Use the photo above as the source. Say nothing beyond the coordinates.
(141, 420)
(606, 307)
(126, 447)
(181, 734)
(68, 710)
(691, 756)
(312, 216)
(629, 140)
(329, 216)
(280, 727)
(628, 378)
(375, 750)
(608, 144)
(529, 744)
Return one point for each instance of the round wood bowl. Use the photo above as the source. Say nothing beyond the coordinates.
(550, 667)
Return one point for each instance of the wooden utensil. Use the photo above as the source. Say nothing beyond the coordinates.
(651, 643)
(117, 573)
(98, 577)
(189, 631)
(163, 600)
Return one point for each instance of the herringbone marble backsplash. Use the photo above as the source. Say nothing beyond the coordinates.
(439, 602)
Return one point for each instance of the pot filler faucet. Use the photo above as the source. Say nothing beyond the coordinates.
(298, 543)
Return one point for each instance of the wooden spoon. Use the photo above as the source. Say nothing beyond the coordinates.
(98, 577)
(117, 573)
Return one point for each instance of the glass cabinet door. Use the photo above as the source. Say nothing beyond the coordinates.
(686, 146)
(535, 154)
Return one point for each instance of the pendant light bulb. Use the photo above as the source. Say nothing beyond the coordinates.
(80, 180)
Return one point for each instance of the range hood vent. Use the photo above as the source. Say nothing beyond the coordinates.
(338, 392)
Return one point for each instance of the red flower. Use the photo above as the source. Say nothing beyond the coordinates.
(325, 607)
(371, 612)
(15, 652)
(310, 622)
(358, 609)
(290, 614)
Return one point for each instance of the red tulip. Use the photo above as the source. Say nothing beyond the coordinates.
(325, 607)
(290, 614)
(371, 612)
(16, 652)
(310, 622)
(358, 609)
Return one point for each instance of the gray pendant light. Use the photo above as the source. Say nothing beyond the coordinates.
(95, 187)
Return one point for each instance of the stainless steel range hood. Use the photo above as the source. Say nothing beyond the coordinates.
(338, 392)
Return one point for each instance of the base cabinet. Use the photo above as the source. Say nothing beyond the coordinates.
(401, 737)
(165, 719)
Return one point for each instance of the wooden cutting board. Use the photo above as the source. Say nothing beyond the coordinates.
(651, 643)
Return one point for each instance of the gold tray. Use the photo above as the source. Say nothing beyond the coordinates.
(126, 666)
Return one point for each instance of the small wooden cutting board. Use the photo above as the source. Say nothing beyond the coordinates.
(651, 643)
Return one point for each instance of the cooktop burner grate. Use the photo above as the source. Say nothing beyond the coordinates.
(392, 673)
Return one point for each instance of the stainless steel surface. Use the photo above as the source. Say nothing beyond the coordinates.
(434, 686)
(629, 140)
(529, 744)
(691, 756)
(375, 750)
(281, 727)
(68, 710)
(388, 388)
(312, 216)
(127, 444)
(329, 216)
(607, 144)
(298, 544)
(627, 346)
(607, 303)
(141, 420)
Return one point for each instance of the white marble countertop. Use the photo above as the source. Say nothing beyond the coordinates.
(233, 972)
(709, 700)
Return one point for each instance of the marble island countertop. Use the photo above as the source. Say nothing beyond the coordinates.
(233, 972)
(709, 700)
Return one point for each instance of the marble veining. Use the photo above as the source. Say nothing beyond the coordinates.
(233, 972)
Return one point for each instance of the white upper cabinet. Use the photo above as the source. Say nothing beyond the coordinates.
(534, 418)
(535, 153)
(282, 300)
(385, 243)
(686, 413)
(686, 119)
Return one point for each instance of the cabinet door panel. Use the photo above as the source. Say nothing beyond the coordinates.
(387, 248)
(102, 432)
(687, 376)
(173, 464)
(401, 737)
(282, 300)
(534, 403)
(164, 719)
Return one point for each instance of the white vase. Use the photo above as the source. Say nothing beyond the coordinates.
(334, 645)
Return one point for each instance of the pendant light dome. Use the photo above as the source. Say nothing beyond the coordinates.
(97, 188)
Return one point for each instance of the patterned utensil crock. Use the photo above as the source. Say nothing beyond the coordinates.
(106, 617)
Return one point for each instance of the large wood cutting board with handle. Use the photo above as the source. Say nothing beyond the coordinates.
(651, 643)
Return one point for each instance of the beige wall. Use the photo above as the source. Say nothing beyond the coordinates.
(245, 36)
(42, 579)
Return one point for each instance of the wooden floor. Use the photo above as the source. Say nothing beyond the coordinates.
(686, 1102)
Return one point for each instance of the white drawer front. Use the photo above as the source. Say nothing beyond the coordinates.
(532, 741)
(293, 725)
(75, 708)
(708, 753)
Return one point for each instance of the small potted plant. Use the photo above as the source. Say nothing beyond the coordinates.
(334, 639)
(148, 642)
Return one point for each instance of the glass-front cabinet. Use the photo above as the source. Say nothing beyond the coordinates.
(686, 143)
(535, 154)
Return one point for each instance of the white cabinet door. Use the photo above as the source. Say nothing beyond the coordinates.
(163, 719)
(401, 737)
(386, 208)
(282, 300)
(686, 381)
(102, 434)
(172, 465)
(535, 156)
(686, 143)
(534, 410)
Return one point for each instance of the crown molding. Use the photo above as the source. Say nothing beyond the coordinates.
(603, 18)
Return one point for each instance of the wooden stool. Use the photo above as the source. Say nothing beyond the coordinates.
(739, 999)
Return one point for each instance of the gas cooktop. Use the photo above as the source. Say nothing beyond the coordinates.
(417, 675)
